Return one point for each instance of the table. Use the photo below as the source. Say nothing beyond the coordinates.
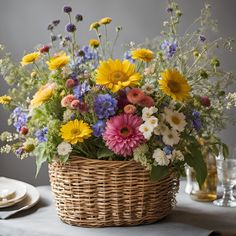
(189, 218)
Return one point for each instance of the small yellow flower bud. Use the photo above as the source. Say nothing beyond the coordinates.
(94, 43)
(105, 21)
(29, 147)
(94, 26)
(33, 74)
(195, 53)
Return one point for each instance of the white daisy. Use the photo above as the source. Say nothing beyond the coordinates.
(152, 122)
(160, 157)
(146, 130)
(147, 112)
(148, 88)
(178, 155)
(64, 148)
(171, 137)
(175, 119)
(161, 129)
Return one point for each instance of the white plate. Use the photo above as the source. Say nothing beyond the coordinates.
(32, 197)
(13, 186)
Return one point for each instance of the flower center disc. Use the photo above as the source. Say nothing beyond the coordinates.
(174, 86)
(75, 131)
(125, 131)
(175, 120)
(117, 76)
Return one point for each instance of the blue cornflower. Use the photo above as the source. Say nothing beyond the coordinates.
(20, 118)
(87, 54)
(105, 106)
(168, 150)
(99, 128)
(197, 124)
(169, 48)
(41, 135)
(80, 90)
(70, 28)
(128, 56)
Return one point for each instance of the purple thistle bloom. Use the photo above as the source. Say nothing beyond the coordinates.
(81, 89)
(20, 118)
(168, 150)
(169, 48)
(70, 28)
(197, 124)
(41, 133)
(128, 56)
(67, 9)
(99, 128)
(105, 106)
(122, 99)
(202, 38)
(78, 17)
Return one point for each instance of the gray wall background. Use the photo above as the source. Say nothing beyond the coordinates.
(23, 25)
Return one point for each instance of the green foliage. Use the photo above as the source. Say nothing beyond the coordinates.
(41, 155)
(158, 172)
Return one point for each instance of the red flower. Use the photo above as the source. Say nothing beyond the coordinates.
(147, 101)
(135, 95)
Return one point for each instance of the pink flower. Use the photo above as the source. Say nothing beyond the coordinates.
(135, 95)
(147, 101)
(66, 101)
(70, 83)
(205, 101)
(122, 134)
(129, 109)
(75, 104)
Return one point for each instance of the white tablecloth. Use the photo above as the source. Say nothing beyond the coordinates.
(189, 218)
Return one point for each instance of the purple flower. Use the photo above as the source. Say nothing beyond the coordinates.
(53, 38)
(196, 121)
(67, 9)
(169, 9)
(87, 54)
(56, 22)
(202, 38)
(78, 17)
(80, 90)
(68, 38)
(19, 151)
(122, 99)
(128, 56)
(99, 128)
(41, 135)
(169, 48)
(105, 106)
(70, 28)
(20, 118)
(168, 150)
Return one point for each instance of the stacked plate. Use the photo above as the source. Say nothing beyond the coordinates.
(16, 195)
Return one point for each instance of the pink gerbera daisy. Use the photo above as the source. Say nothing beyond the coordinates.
(122, 134)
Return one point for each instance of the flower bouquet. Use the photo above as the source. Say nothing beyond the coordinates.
(133, 122)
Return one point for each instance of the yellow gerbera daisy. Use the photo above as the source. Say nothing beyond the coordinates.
(117, 74)
(105, 20)
(75, 131)
(58, 61)
(142, 54)
(94, 43)
(5, 99)
(174, 85)
(42, 95)
(29, 58)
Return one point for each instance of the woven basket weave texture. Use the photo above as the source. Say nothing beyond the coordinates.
(96, 193)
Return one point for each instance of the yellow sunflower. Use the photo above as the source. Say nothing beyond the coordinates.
(30, 58)
(105, 21)
(42, 95)
(142, 54)
(75, 131)
(58, 61)
(117, 74)
(174, 85)
(5, 99)
(94, 26)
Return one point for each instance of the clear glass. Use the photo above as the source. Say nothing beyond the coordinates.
(226, 171)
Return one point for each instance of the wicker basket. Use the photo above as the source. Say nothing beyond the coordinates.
(95, 193)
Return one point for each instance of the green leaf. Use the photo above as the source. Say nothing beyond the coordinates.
(104, 153)
(225, 150)
(41, 156)
(195, 159)
(158, 172)
(64, 158)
